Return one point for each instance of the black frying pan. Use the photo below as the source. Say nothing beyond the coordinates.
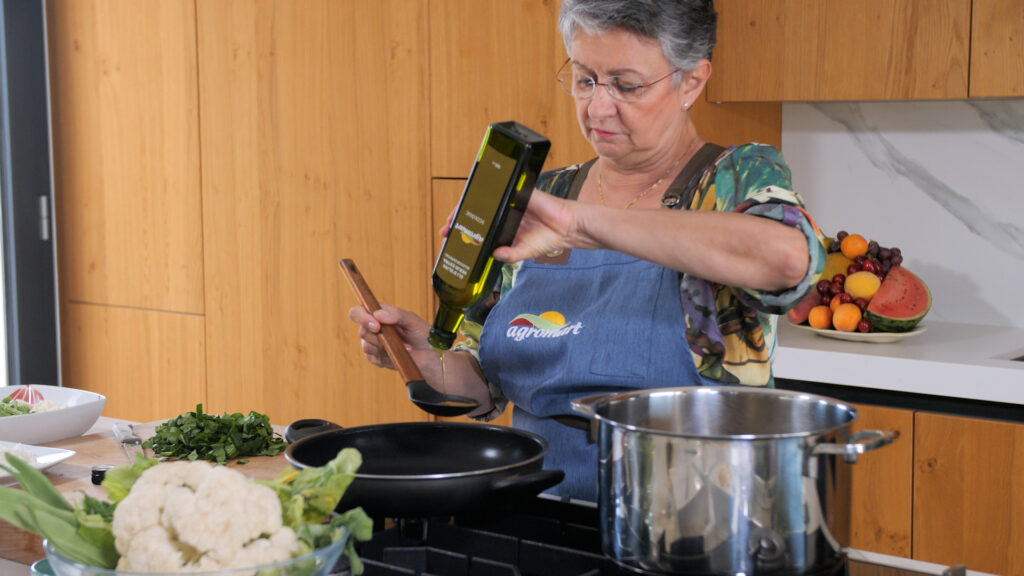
(428, 469)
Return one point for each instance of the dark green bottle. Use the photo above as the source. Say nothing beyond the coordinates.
(492, 205)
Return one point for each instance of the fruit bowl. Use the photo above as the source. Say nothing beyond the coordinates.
(319, 562)
(871, 337)
(80, 411)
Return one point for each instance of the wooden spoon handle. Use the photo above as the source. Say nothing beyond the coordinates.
(393, 343)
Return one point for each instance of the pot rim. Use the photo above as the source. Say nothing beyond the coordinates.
(607, 399)
(290, 457)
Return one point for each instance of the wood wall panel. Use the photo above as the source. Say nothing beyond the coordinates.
(881, 484)
(788, 50)
(126, 152)
(738, 122)
(150, 365)
(997, 48)
(968, 497)
(491, 62)
(315, 148)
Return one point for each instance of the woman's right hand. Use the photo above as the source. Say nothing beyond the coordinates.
(411, 328)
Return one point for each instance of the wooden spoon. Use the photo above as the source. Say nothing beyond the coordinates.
(422, 394)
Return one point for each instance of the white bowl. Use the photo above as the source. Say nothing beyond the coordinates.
(80, 412)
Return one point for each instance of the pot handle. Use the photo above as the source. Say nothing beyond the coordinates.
(307, 427)
(530, 483)
(859, 442)
(586, 405)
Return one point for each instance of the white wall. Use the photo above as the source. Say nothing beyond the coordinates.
(944, 181)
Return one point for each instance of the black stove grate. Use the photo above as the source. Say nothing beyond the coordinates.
(539, 537)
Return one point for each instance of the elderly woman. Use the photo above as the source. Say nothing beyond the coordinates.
(667, 255)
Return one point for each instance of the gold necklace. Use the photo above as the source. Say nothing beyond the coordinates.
(638, 197)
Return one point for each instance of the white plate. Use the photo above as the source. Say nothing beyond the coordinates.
(80, 412)
(45, 457)
(873, 337)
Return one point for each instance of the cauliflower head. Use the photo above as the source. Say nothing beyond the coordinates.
(193, 516)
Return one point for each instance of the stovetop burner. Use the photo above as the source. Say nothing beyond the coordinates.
(539, 537)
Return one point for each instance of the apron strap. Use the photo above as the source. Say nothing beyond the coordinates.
(675, 197)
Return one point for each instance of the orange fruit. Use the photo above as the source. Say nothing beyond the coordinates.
(834, 303)
(854, 245)
(846, 317)
(820, 317)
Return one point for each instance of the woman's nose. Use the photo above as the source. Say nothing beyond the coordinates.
(602, 103)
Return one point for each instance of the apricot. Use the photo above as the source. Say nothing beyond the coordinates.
(820, 317)
(846, 317)
(854, 245)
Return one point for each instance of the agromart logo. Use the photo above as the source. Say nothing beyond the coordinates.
(550, 324)
(468, 236)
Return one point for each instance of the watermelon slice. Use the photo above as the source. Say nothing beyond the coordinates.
(900, 303)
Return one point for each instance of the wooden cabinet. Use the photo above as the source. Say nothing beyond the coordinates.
(946, 491)
(786, 50)
(314, 148)
(126, 153)
(149, 365)
(997, 49)
(125, 125)
(968, 495)
(881, 484)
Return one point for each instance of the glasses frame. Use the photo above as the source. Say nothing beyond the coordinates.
(608, 86)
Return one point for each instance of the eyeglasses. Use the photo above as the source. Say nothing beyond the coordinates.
(625, 88)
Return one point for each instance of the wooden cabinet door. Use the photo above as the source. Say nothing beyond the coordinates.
(126, 153)
(124, 107)
(968, 495)
(881, 484)
(315, 147)
(997, 48)
(779, 50)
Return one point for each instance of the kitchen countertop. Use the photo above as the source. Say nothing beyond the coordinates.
(967, 361)
(98, 446)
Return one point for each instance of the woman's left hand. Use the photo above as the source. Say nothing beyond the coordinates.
(549, 225)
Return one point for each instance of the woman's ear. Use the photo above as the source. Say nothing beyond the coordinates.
(694, 82)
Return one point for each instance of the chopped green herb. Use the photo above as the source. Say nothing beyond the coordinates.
(199, 436)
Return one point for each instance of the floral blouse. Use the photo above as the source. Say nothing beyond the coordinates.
(730, 331)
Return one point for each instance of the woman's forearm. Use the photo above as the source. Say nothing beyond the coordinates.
(734, 249)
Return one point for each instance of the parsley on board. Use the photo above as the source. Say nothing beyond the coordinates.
(199, 436)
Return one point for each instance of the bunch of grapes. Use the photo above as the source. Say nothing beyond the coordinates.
(884, 258)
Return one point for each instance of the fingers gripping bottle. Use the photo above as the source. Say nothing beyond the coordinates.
(490, 209)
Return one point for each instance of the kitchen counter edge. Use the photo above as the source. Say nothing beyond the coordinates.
(967, 361)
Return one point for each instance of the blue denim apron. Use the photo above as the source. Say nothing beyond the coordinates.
(608, 322)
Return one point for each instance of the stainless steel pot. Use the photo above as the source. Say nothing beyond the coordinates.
(722, 480)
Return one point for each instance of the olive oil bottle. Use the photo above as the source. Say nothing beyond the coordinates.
(492, 205)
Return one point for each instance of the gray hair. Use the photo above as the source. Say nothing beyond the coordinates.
(684, 28)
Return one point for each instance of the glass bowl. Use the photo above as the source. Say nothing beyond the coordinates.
(319, 562)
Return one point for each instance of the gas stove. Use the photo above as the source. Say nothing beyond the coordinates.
(544, 536)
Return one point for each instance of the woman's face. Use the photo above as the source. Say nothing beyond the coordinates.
(628, 131)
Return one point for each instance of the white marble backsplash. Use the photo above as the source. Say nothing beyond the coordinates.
(942, 180)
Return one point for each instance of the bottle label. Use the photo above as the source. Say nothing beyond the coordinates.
(480, 202)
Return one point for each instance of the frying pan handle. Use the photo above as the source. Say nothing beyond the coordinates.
(530, 483)
(308, 427)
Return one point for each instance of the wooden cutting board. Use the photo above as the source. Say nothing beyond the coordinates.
(75, 474)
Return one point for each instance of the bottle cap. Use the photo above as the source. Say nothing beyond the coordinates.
(99, 473)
